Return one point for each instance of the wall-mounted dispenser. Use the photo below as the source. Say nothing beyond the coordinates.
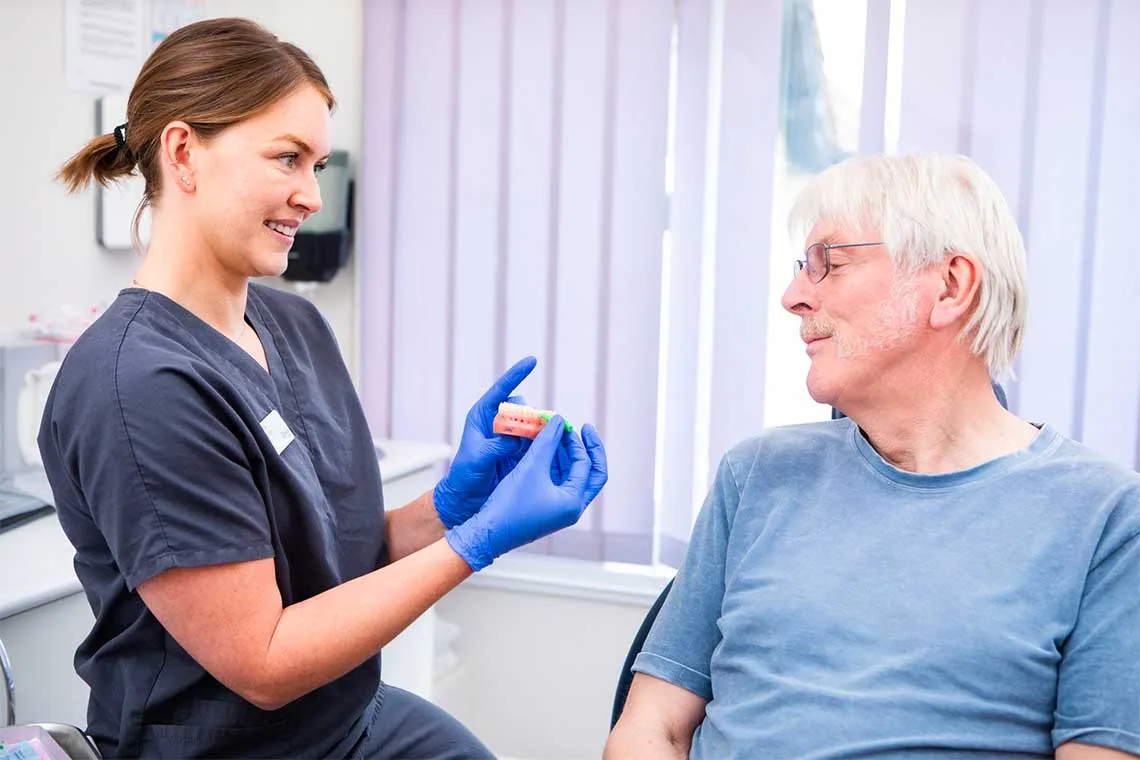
(320, 247)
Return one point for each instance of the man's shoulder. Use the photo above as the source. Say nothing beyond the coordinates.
(1076, 458)
(788, 446)
(793, 440)
(1092, 482)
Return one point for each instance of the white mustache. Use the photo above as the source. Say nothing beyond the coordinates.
(816, 328)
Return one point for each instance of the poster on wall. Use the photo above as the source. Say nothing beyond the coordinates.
(106, 41)
(103, 43)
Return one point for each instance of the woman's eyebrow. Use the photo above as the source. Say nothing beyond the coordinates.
(301, 144)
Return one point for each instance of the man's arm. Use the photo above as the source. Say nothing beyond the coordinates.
(658, 721)
(661, 716)
(1098, 658)
(1075, 751)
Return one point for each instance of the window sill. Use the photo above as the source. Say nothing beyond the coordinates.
(613, 582)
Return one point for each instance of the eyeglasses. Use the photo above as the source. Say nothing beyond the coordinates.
(817, 259)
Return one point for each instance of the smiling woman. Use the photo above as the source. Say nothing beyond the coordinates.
(254, 72)
(211, 463)
(229, 164)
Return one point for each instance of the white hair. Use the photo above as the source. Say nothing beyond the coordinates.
(925, 206)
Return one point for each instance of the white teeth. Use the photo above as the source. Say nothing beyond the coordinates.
(281, 228)
(521, 410)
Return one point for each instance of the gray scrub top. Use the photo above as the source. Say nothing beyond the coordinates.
(167, 445)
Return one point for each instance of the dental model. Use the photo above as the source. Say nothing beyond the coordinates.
(522, 421)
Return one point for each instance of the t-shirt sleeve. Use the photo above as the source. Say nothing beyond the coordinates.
(679, 647)
(1098, 689)
(166, 474)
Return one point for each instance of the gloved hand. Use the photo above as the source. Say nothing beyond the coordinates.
(483, 457)
(529, 504)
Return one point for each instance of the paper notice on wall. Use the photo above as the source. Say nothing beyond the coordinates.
(103, 43)
(106, 41)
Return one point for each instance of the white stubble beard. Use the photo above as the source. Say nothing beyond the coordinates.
(894, 322)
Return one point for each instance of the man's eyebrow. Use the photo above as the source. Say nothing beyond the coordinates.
(828, 239)
(304, 146)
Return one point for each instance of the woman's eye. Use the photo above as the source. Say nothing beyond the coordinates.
(289, 159)
(318, 168)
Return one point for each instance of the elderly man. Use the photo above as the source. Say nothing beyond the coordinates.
(932, 577)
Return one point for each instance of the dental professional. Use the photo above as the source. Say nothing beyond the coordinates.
(211, 462)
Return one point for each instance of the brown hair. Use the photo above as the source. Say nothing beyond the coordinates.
(211, 74)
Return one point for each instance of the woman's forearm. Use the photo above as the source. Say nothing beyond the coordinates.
(412, 527)
(230, 619)
(328, 635)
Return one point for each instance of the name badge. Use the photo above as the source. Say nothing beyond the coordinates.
(277, 431)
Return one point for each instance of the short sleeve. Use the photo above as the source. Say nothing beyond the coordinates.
(679, 647)
(167, 477)
(1098, 689)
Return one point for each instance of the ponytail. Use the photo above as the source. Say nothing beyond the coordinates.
(104, 159)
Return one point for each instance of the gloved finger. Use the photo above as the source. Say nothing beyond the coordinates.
(545, 444)
(502, 388)
(599, 467)
(560, 467)
(501, 447)
(516, 399)
(516, 448)
(579, 466)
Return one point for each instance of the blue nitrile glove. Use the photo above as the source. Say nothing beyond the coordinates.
(529, 504)
(483, 458)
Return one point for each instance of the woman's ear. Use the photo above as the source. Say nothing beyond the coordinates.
(176, 160)
(961, 279)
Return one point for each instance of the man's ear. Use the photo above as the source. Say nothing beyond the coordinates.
(961, 279)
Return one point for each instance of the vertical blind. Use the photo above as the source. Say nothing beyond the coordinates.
(592, 182)
(1038, 92)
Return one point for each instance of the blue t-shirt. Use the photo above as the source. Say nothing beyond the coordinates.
(831, 605)
(166, 446)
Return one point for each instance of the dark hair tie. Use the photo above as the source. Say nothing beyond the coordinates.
(121, 137)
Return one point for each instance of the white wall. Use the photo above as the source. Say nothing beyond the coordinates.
(50, 257)
(537, 672)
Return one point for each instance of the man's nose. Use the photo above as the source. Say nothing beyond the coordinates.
(799, 296)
